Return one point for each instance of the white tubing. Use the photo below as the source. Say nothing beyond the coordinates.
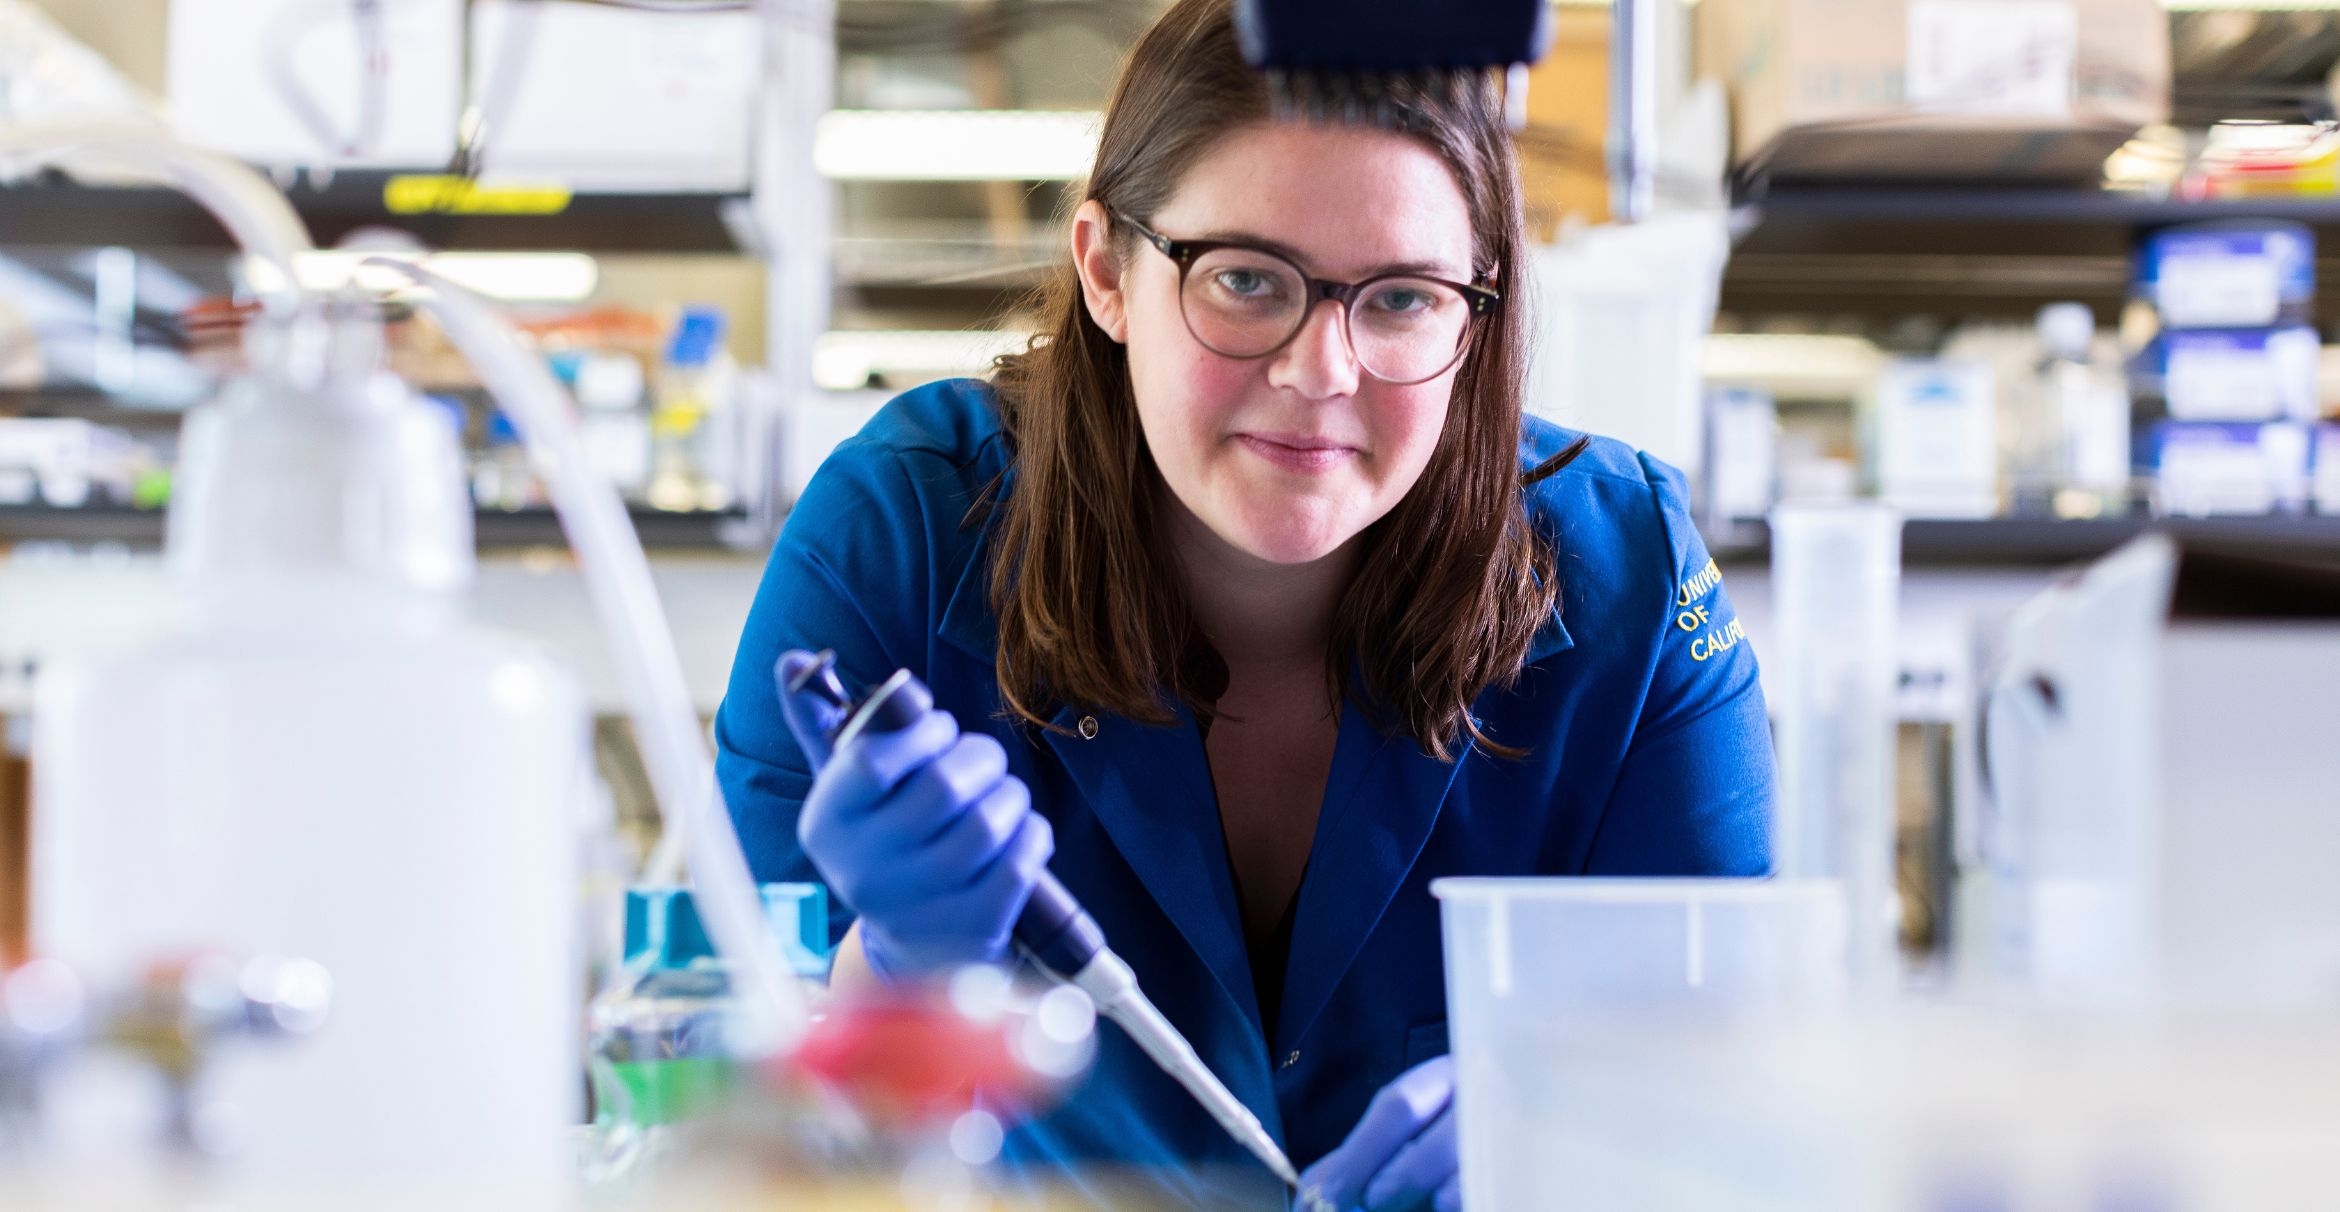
(617, 574)
(252, 210)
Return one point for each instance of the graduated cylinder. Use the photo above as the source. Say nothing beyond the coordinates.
(1832, 674)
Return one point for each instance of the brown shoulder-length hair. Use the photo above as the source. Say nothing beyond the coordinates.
(1453, 583)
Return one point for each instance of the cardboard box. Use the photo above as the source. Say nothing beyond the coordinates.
(1561, 153)
(1990, 90)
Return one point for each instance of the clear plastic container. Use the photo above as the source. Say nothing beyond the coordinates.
(1539, 970)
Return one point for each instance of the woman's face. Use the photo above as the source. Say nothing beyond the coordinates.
(1288, 457)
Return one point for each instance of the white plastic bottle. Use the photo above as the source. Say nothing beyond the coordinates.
(321, 758)
(2083, 412)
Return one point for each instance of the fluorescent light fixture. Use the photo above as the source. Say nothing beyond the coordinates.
(843, 361)
(956, 145)
(1793, 364)
(534, 277)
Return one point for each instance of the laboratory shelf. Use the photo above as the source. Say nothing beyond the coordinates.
(727, 530)
(1964, 250)
(87, 405)
(56, 211)
(2017, 542)
(1808, 201)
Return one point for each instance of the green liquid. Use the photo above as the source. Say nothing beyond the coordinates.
(670, 1091)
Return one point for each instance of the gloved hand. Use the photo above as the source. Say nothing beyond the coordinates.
(923, 832)
(1401, 1155)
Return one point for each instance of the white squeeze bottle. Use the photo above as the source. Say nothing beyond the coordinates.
(320, 757)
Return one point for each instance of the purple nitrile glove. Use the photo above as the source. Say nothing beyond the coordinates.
(922, 832)
(1401, 1155)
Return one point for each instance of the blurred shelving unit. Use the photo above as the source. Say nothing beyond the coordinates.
(905, 157)
(141, 528)
(1900, 267)
(1885, 251)
(496, 530)
(772, 221)
(57, 212)
(1890, 250)
(2052, 543)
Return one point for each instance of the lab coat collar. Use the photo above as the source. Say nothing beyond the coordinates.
(1381, 802)
(967, 622)
(1150, 787)
(1550, 638)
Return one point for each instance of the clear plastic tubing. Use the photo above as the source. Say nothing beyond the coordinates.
(1834, 669)
(617, 574)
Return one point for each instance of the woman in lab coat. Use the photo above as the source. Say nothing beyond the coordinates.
(1251, 604)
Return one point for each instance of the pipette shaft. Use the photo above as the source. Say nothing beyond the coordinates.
(1060, 937)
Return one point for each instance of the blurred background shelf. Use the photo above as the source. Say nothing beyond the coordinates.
(1893, 250)
(1803, 201)
(496, 529)
(63, 213)
(2046, 543)
(87, 405)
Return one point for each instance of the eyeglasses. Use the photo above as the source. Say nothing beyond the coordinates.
(1246, 302)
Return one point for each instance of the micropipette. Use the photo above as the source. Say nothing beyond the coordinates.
(1057, 934)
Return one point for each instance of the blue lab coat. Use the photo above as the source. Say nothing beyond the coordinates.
(1650, 755)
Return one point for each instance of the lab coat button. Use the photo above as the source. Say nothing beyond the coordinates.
(1088, 727)
(1293, 1059)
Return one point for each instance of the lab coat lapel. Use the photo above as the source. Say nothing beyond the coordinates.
(1381, 802)
(1151, 792)
(1149, 789)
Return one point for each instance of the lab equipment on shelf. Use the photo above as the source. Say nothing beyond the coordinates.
(2228, 468)
(2227, 385)
(2231, 274)
(1742, 462)
(693, 422)
(1932, 434)
(2069, 448)
(2325, 468)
